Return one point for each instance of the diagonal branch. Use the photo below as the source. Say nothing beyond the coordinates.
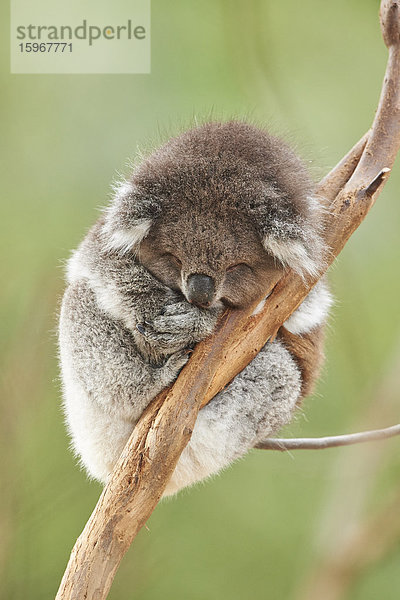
(152, 452)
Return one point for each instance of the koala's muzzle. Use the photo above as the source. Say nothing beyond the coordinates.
(200, 289)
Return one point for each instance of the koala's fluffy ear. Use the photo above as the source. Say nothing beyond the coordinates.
(296, 239)
(128, 219)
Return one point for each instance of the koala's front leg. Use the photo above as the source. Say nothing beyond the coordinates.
(178, 325)
(259, 401)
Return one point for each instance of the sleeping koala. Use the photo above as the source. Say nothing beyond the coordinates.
(205, 222)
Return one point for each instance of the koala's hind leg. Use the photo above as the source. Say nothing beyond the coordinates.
(259, 401)
(307, 350)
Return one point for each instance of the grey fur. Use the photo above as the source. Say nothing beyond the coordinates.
(204, 203)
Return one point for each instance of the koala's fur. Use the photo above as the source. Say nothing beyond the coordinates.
(226, 201)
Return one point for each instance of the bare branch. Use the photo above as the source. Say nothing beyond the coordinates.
(151, 454)
(331, 184)
(332, 441)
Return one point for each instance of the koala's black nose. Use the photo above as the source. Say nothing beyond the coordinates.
(201, 289)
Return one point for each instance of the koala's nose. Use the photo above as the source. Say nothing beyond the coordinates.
(201, 289)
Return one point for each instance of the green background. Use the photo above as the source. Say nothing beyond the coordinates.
(312, 71)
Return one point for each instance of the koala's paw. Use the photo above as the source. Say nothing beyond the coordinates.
(179, 325)
(175, 363)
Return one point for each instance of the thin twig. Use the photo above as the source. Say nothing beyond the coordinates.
(332, 441)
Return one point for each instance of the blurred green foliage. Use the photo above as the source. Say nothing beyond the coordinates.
(309, 68)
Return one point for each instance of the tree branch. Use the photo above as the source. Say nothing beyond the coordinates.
(332, 441)
(151, 454)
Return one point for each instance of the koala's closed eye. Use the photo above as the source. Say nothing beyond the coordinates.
(172, 258)
(237, 267)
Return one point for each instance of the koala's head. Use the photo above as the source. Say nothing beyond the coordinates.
(218, 213)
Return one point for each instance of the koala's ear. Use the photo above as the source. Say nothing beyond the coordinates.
(298, 242)
(128, 219)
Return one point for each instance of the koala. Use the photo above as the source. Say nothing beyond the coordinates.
(205, 222)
